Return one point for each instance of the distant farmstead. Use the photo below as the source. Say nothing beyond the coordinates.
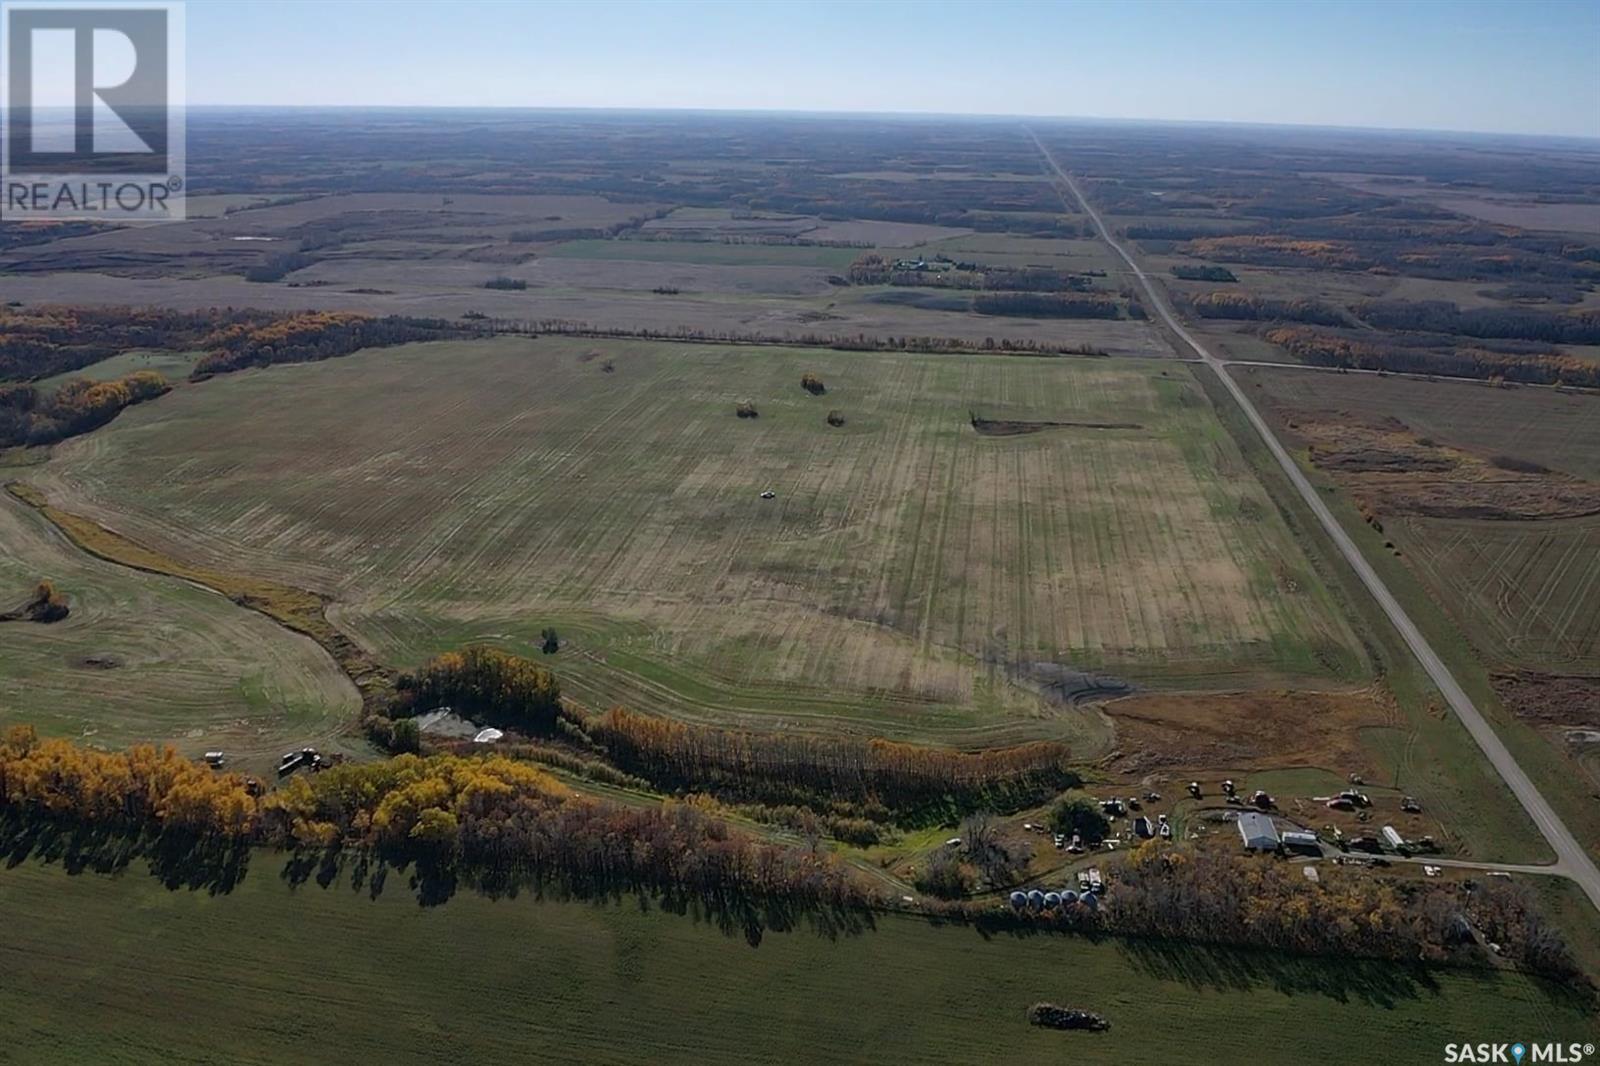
(1258, 831)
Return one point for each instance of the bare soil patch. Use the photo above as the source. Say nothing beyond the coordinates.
(1554, 699)
(1243, 730)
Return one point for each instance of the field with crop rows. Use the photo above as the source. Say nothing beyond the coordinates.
(911, 576)
(1524, 591)
(147, 658)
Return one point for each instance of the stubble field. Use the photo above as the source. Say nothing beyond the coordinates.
(145, 658)
(1524, 591)
(911, 577)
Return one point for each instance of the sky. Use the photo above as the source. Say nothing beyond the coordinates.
(1525, 66)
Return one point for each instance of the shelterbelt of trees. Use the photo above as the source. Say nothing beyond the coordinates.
(495, 822)
(876, 776)
(878, 779)
(1423, 357)
(490, 818)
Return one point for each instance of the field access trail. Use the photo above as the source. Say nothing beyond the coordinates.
(1571, 859)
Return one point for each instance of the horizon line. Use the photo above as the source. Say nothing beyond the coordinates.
(867, 113)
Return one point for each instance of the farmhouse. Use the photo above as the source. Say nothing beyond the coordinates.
(1258, 831)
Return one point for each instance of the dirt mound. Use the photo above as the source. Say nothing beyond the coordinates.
(995, 427)
(1240, 730)
(1556, 699)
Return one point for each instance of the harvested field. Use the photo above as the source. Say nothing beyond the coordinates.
(1560, 430)
(1246, 731)
(709, 252)
(482, 490)
(1512, 554)
(146, 658)
(1525, 591)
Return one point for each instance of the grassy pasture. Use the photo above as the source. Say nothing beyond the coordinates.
(710, 252)
(912, 577)
(146, 658)
(119, 970)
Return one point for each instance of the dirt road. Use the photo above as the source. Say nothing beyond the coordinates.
(1571, 858)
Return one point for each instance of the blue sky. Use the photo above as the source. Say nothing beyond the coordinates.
(1523, 67)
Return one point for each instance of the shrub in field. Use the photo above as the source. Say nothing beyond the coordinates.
(1051, 1016)
(503, 282)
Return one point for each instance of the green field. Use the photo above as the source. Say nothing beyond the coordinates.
(120, 970)
(714, 253)
(146, 658)
(174, 366)
(911, 577)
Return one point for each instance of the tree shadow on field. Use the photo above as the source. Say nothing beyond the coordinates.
(1373, 982)
(435, 884)
(177, 859)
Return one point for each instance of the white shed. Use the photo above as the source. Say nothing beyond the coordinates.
(1258, 831)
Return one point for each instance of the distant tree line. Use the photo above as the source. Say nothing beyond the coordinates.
(1328, 349)
(310, 336)
(1203, 273)
(44, 341)
(1238, 305)
(856, 342)
(1045, 305)
(39, 342)
(1440, 316)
